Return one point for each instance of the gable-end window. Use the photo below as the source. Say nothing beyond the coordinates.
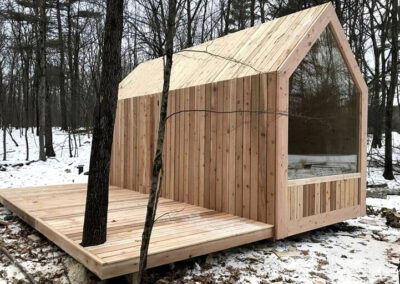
(323, 114)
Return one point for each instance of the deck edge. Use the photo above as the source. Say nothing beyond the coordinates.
(105, 270)
(89, 260)
(130, 266)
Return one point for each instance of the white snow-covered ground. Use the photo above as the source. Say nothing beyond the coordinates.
(362, 250)
(43, 260)
(58, 170)
(375, 174)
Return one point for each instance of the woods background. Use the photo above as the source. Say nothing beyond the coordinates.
(50, 53)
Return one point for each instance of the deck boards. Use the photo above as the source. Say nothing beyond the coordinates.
(181, 231)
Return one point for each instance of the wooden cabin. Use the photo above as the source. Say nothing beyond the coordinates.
(268, 123)
(265, 138)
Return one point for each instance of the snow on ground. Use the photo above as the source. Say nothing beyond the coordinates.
(362, 250)
(35, 253)
(59, 170)
(357, 251)
(375, 173)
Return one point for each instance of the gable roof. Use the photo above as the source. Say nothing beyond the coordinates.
(259, 49)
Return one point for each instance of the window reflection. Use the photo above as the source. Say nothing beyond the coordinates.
(323, 114)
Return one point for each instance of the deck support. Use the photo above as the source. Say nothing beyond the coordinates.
(132, 278)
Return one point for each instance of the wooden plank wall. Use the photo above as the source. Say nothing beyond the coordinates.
(223, 161)
(316, 198)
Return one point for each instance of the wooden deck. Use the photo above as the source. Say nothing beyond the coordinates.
(181, 230)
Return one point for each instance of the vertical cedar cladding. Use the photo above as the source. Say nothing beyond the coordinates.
(217, 150)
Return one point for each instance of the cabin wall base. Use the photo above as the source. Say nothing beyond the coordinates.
(317, 202)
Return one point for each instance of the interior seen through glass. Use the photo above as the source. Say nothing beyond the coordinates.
(323, 114)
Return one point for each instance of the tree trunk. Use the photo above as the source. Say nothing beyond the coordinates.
(48, 131)
(189, 41)
(203, 23)
(42, 85)
(8, 115)
(262, 10)
(2, 116)
(63, 106)
(227, 15)
(158, 163)
(388, 172)
(75, 84)
(36, 78)
(26, 100)
(70, 143)
(95, 223)
(26, 144)
(377, 135)
(252, 12)
(4, 143)
(72, 112)
(375, 102)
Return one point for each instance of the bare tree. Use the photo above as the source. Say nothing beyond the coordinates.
(42, 71)
(157, 174)
(227, 12)
(2, 91)
(388, 172)
(63, 104)
(2, 115)
(191, 14)
(252, 12)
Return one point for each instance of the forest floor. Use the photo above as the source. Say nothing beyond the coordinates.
(362, 250)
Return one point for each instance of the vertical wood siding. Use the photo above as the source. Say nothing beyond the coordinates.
(222, 161)
(317, 198)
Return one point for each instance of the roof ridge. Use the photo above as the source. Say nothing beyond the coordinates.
(239, 54)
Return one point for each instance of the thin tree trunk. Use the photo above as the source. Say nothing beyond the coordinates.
(42, 85)
(72, 115)
(4, 143)
(36, 79)
(388, 172)
(75, 145)
(25, 61)
(262, 10)
(12, 138)
(203, 23)
(377, 137)
(158, 163)
(26, 144)
(252, 12)
(189, 41)
(8, 115)
(48, 131)
(375, 87)
(2, 116)
(75, 85)
(63, 106)
(95, 223)
(70, 143)
(227, 15)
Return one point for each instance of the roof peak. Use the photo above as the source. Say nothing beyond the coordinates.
(259, 49)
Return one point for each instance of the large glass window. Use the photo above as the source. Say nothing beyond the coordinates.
(323, 114)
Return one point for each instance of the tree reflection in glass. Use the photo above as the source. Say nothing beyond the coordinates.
(323, 114)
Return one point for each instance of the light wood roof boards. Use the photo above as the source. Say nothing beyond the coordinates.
(259, 49)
